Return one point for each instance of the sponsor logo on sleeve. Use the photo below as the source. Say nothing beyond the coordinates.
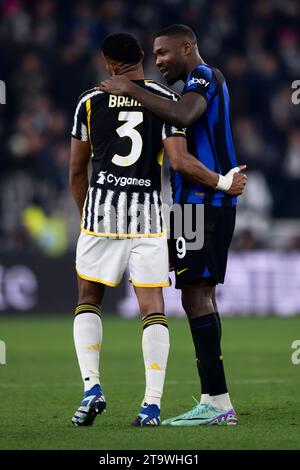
(197, 81)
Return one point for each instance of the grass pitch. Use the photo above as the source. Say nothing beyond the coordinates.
(41, 387)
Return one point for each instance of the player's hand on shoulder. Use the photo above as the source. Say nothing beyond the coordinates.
(116, 85)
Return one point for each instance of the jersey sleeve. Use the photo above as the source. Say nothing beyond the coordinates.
(201, 81)
(172, 131)
(80, 128)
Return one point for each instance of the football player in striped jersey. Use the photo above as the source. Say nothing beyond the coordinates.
(121, 219)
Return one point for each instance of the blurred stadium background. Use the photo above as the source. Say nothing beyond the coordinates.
(50, 54)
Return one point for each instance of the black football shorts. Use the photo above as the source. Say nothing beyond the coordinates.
(210, 261)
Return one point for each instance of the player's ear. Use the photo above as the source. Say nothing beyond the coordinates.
(142, 56)
(115, 69)
(187, 48)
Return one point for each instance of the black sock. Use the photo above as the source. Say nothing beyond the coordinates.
(219, 323)
(206, 337)
(204, 384)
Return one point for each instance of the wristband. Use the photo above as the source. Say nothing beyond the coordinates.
(225, 182)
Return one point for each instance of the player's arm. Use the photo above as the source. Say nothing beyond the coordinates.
(181, 113)
(188, 165)
(78, 171)
(80, 155)
(181, 160)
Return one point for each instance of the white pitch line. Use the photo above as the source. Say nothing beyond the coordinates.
(168, 382)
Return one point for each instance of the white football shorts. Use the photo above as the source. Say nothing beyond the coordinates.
(105, 260)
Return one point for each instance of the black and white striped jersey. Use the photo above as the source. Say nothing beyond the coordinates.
(124, 195)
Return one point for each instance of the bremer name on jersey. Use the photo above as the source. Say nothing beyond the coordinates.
(124, 195)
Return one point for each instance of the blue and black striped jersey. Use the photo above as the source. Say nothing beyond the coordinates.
(209, 139)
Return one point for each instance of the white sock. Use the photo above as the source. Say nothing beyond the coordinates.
(155, 345)
(221, 401)
(88, 338)
(204, 400)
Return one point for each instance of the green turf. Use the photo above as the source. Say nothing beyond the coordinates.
(40, 387)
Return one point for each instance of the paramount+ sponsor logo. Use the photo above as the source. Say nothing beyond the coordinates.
(103, 178)
(198, 81)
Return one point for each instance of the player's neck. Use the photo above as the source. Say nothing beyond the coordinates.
(132, 72)
(134, 76)
(194, 62)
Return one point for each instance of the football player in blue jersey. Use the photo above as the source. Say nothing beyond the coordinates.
(125, 180)
(204, 109)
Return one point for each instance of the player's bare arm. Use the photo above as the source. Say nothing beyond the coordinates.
(181, 113)
(78, 171)
(192, 169)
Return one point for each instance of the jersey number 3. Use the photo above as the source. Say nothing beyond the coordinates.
(133, 119)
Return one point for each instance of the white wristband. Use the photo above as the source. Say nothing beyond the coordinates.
(225, 182)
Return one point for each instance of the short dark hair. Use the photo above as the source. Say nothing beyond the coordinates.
(178, 30)
(122, 47)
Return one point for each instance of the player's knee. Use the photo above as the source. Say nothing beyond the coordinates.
(150, 299)
(149, 307)
(90, 292)
(89, 299)
(196, 309)
(89, 296)
(197, 301)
